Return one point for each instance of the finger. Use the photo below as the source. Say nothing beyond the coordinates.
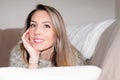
(25, 36)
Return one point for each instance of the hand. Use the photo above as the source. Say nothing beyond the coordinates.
(34, 54)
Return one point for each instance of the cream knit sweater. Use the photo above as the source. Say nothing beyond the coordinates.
(16, 59)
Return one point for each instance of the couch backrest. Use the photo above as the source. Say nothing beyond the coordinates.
(103, 45)
(8, 38)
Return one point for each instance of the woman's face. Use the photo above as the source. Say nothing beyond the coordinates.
(41, 32)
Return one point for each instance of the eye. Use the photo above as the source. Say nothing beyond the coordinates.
(32, 25)
(47, 26)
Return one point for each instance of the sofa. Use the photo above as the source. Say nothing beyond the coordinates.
(105, 55)
(8, 38)
(111, 66)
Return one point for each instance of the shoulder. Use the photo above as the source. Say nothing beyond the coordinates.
(17, 47)
(15, 50)
(79, 57)
(16, 58)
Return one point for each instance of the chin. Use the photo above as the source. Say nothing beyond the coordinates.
(38, 48)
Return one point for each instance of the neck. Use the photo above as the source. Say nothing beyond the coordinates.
(47, 54)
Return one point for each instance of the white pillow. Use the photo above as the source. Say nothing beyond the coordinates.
(86, 37)
(53, 73)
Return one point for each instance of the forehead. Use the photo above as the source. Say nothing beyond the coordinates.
(40, 15)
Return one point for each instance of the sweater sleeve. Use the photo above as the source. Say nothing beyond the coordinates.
(16, 59)
(79, 57)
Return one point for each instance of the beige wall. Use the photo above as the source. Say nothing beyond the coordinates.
(14, 12)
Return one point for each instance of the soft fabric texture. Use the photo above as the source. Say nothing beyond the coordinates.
(16, 59)
(54, 73)
(86, 37)
(111, 68)
(10, 37)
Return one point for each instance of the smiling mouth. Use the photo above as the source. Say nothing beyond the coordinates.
(38, 40)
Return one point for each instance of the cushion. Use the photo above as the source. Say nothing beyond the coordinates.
(8, 38)
(53, 73)
(85, 37)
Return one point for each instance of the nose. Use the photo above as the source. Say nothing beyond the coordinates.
(38, 30)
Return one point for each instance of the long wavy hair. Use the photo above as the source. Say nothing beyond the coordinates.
(63, 50)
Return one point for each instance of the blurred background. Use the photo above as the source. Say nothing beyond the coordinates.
(13, 13)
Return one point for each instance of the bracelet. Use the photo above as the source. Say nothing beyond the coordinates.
(33, 65)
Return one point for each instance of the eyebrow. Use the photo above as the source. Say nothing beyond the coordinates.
(33, 21)
(42, 22)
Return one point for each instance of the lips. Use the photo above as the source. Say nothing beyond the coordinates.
(38, 40)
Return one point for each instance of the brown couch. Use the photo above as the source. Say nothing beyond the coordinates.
(10, 37)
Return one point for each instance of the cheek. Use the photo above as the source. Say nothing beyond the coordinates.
(31, 31)
(52, 38)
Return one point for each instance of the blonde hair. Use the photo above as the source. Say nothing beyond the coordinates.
(63, 50)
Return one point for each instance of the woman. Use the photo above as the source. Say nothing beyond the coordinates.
(45, 42)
